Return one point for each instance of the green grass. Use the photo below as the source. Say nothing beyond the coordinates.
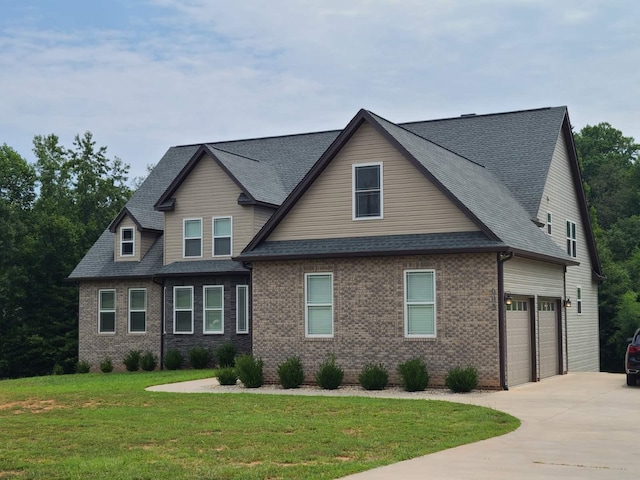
(108, 427)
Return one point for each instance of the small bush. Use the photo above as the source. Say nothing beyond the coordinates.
(148, 362)
(249, 371)
(413, 375)
(462, 380)
(173, 359)
(83, 367)
(132, 360)
(106, 366)
(227, 376)
(374, 377)
(58, 369)
(226, 355)
(330, 375)
(199, 357)
(291, 373)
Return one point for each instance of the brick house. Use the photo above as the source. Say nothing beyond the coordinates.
(461, 241)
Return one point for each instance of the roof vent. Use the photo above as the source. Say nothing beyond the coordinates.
(468, 115)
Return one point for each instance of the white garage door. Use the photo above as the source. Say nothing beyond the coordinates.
(518, 342)
(548, 321)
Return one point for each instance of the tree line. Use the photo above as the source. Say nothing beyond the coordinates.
(52, 211)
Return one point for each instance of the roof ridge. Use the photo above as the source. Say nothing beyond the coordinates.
(474, 115)
(268, 137)
(212, 146)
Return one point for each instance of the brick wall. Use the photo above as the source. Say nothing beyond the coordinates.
(94, 347)
(369, 315)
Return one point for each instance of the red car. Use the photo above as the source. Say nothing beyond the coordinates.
(632, 359)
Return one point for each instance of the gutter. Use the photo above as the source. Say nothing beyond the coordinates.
(502, 324)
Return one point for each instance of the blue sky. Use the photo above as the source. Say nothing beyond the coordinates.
(146, 75)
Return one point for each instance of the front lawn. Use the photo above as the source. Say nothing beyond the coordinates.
(106, 426)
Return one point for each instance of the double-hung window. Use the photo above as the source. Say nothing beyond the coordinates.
(182, 309)
(137, 310)
(579, 300)
(319, 304)
(572, 239)
(242, 309)
(106, 311)
(193, 237)
(420, 303)
(127, 241)
(367, 191)
(213, 308)
(222, 238)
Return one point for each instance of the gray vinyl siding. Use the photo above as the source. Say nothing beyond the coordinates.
(530, 277)
(126, 222)
(411, 204)
(561, 199)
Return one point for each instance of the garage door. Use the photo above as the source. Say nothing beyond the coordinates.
(518, 342)
(548, 322)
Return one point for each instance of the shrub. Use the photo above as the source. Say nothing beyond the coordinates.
(58, 369)
(132, 360)
(173, 359)
(199, 357)
(249, 371)
(226, 355)
(106, 366)
(413, 375)
(227, 376)
(83, 367)
(374, 377)
(462, 380)
(330, 375)
(291, 373)
(148, 362)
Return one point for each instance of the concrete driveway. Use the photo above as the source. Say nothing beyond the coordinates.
(576, 426)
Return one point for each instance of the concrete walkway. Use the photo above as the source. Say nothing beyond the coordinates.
(576, 426)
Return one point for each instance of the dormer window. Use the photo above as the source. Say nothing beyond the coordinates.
(127, 241)
(222, 228)
(367, 191)
(193, 237)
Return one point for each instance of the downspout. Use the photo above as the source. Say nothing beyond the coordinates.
(502, 325)
(161, 283)
(565, 366)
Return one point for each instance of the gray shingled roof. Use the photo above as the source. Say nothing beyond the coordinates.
(202, 266)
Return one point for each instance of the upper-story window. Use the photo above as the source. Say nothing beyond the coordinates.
(572, 239)
(222, 238)
(549, 222)
(127, 241)
(367, 191)
(193, 237)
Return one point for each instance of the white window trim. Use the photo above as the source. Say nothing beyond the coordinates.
(132, 241)
(246, 308)
(204, 310)
(101, 310)
(406, 305)
(184, 238)
(177, 287)
(353, 190)
(307, 305)
(131, 310)
(549, 223)
(213, 237)
(574, 244)
(579, 304)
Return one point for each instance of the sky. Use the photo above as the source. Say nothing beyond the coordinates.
(145, 75)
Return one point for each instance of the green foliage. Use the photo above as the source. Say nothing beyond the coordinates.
(58, 369)
(291, 373)
(83, 367)
(199, 357)
(462, 380)
(373, 377)
(148, 361)
(106, 366)
(226, 355)
(413, 375)
(132, 360)
(227, 376)
(249, 371)
(329, 376)
(173, 359)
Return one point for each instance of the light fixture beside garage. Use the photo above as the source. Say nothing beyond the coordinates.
(507, 298)
(567, 302)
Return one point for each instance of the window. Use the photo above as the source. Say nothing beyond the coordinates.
(127, 239)
(549, 223)
(367, 191)
(193, 237)
(213, 306)
(106, 311)
(222, 236)
(579, 300)
(182, 309)
(572, 241)
(518, 306)
(137, 310)
(242, 309)
(319, 304)
(419, 303)
(546, 306)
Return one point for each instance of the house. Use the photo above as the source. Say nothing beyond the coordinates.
(463, 241)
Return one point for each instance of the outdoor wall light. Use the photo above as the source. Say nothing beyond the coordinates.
(567, 302)
(507, 298)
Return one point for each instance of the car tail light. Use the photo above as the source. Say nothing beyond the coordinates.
(634, 349)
